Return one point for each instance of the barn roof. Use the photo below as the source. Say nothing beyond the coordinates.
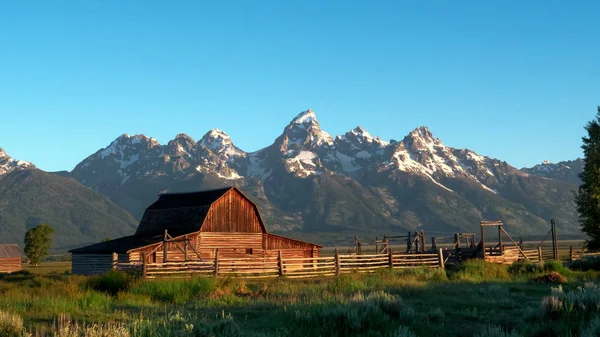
(120, 245)
(179, 213)
(8, 251)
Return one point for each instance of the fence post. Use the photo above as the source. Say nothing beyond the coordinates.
(280, 263)
(338, 269)
(217, 262)
(144, 265)
(391, 258)
(540, 258)
(115, 261)
(570, 254)
(441, 257)
(408, 243)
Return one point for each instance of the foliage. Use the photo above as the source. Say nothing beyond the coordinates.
(588, 197)
(175, 291)
(557, 266)
(37, 242)
(478, 270)
(524, 268)
(581, 302)
(496, 331)
(11, 325)
(112, 282)
(586, 263)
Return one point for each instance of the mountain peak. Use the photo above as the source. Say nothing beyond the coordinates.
(219, 142)
(2, 153)
(305, 117)
(361, 132)
(216, 133)
(8, 164)
(546, 162)
(183, 136)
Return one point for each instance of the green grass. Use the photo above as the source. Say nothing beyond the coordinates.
(474, 299)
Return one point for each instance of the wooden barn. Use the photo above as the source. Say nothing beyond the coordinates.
(10, 258)
(191, 227)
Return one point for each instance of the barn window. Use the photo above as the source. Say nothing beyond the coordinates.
(249, 251)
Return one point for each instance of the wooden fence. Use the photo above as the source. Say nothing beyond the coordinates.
(298, 267)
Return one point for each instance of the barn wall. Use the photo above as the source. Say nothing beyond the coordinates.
(232, 213)
(10, 265)
(279, 242)
(93, 264)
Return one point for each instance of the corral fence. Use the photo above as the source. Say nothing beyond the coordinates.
(578, 253)
(297, 267)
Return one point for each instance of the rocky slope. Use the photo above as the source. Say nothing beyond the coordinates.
(310, 181)
(78, 215)
(565, 170)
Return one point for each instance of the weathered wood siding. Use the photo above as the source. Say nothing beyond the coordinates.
(10, 265)
(232, 213)
(93, 264)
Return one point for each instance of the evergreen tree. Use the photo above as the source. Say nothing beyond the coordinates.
(588, 197)
(37, 242)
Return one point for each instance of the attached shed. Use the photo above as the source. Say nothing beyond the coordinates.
(191, 227)
(10, 258)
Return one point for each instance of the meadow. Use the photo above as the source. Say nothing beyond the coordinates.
(473, 299)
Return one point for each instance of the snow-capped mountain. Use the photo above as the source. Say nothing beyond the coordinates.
(565, 170)
(309, 180)
(8, 164)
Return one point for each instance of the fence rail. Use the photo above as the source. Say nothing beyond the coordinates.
(297, 267)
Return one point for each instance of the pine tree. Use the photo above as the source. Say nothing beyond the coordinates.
(588, 197)
(37, 242)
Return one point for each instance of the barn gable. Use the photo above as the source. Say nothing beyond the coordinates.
(221, 210)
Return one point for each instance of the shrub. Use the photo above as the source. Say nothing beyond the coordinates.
(586, 263)
(478, 270)
(592, 329)
(581, 302)
(556, 266)
(112, 282)
(553, 277)
(403, 331)
(175, 291)
(11, 325)
(496, 331)
(524, 268)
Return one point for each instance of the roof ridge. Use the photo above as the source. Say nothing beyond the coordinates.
(200, 191)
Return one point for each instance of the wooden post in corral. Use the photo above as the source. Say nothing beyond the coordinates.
(433, 244)
(540, 258)
(570, 254)
(338, 269)
(217, 262)
(390, 258)
(441, 258)
(482, 242)
(422, 241)
(377, 251)
(408, 242)
(554, 240)
(144, 265)
(165, 247)
(115, 260)
(185, 248)
(280, 263)
(500, 240)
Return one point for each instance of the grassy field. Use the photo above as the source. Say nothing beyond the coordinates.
(475, 299)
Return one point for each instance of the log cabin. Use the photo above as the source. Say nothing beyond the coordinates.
(192, 227)
(10, 258)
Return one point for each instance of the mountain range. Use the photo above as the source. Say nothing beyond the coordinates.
(319, 186)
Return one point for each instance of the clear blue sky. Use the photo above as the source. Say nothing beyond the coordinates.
(515, 80)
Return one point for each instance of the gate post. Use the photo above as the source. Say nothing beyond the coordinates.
(540, 258)
(441, 258)
(338, 269)
(570, 254)
(390, 258)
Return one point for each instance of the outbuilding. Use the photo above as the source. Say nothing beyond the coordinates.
(10, 258)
